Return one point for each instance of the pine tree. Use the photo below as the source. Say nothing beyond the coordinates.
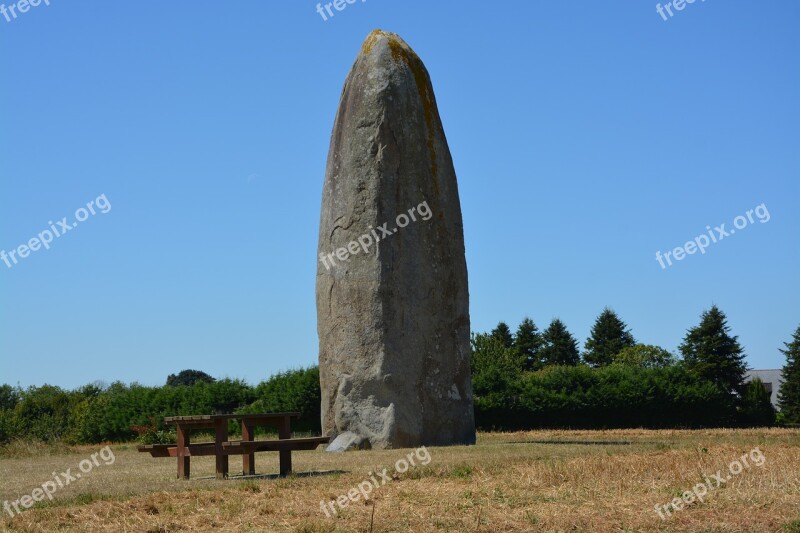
(610, 335)
(559, 347)
(712, 353)
(503, 334)
(527, 342)
(789, 395)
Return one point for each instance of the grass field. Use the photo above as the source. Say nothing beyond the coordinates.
(527, 481)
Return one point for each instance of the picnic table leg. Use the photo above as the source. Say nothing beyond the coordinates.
(221, 435)
(248, 459)
(184, 469)
(285, 432)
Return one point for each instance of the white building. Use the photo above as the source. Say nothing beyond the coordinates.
(772, 382)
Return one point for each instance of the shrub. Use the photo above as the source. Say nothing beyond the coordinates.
(606, 397)
(756, 407)
(293, 390)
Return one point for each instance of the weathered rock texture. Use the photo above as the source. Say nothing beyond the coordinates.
(394, 322)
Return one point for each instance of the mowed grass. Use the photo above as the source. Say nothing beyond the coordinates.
(526, 481)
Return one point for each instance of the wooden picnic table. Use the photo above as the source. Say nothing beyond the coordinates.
(221, 448)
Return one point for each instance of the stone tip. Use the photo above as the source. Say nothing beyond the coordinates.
(398, 47)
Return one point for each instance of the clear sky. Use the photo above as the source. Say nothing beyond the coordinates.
(586, 137)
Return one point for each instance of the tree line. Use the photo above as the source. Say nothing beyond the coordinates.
(535, 378)
(522, 380)
(120, 412)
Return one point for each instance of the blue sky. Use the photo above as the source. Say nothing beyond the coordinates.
(586, 137)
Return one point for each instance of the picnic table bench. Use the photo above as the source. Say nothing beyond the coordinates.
(222, 447)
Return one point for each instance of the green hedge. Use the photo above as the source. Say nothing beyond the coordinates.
(615, 396)
(607, 397)
(91, 415)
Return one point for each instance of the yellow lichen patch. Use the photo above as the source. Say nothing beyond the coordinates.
(402, 52)
(366, 48)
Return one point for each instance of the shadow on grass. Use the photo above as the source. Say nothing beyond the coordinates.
(240, 477)
(578, 442)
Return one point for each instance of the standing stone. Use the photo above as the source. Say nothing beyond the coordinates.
(392, 314)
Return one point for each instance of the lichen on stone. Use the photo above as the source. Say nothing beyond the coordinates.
(402, 52)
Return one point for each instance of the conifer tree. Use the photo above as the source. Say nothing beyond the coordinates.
(712, 353)
(503, 334)
(789, 395)
(527, 342)
(559, 347)
(609, 336)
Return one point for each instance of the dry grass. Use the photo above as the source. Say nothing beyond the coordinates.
(529, 481)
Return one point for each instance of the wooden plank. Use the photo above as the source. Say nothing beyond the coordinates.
(210, 418)
(310, 443)
(293, 414)
(285, 432)
(204, 449)
(149, 447)
(184, 460)
(156, 450)
(257, 416)
(197, 424)
(188, 418)
(220, 436)
(248, 459)
(195, 450)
